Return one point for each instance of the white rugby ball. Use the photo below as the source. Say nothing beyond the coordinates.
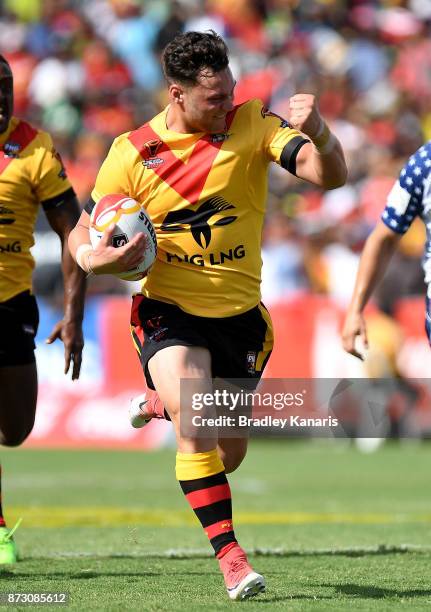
(129, 218)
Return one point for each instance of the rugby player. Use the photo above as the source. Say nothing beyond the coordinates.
(200, 169)
(410, 197)
(31, 174)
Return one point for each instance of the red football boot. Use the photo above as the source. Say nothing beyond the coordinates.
(145, 407)
(241, 580)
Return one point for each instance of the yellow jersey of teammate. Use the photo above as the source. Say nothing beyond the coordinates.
(206, 195)
(31, 173)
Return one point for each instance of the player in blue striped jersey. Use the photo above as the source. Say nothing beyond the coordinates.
(410, 197)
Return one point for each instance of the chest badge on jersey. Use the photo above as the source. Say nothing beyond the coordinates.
(152, 147)
(220, 137)
(265, 112)
(11, 149)
(56, 155)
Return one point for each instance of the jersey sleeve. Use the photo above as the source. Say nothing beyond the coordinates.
(50, 182)
(112, 177)
(404, 201)
(281, 142)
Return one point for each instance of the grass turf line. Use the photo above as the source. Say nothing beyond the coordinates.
(96, 516)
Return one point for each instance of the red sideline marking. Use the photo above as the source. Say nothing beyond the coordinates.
(119, 373)
(187, 178)
(217, 528)
(205, 497)
(23, 134)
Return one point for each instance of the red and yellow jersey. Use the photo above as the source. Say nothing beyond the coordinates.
(31, 173)
(206, 195)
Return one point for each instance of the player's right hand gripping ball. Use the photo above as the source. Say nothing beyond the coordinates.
(129, 218)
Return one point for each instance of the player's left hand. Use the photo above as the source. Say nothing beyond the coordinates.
(70, 333)
(304, 114)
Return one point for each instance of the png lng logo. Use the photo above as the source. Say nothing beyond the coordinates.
(178, 220)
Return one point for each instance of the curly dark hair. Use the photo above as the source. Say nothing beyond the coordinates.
(185, 57)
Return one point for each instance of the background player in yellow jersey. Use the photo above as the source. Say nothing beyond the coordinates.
(31, 173)
(200, 169)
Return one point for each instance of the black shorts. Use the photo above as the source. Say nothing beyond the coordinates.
(19, 320)
(240, 346)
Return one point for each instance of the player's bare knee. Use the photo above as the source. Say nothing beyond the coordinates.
(231, 463)
(232, 452)
(15, 430)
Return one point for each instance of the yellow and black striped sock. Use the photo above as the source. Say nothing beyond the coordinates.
(203, 481)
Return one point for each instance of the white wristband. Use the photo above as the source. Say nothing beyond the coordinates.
(81, 258)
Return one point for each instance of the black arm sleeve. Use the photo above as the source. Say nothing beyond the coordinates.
(58, 200)
(290, 152)
(89, 206)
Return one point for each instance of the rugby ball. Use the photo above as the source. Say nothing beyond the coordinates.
(129, 218)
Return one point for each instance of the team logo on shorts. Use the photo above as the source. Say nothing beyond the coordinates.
(154, 329)
(198, 220)
(251, 362)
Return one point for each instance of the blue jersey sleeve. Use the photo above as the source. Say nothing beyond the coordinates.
(405, 200)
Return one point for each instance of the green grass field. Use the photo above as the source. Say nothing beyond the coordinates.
(330, 528)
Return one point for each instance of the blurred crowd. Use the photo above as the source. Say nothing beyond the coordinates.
(87, 70)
